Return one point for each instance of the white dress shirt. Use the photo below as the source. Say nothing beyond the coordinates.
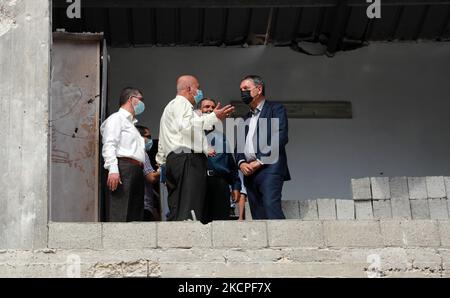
(249, 150)
(121, 139)
(181, 127)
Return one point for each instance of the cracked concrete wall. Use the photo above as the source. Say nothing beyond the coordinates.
(285, 248)
(24, 96)
(230, 262)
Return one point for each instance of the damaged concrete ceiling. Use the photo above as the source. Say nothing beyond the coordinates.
(313, 27)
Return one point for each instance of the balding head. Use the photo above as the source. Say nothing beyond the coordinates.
(187, 86)
(185, 82)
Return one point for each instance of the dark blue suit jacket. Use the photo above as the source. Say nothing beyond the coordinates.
(277, 111)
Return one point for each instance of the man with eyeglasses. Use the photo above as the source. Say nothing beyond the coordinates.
(124, 155)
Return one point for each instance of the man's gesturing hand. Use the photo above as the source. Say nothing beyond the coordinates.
(113, 181)
(224, 112)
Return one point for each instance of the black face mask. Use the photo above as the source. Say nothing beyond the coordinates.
(246, 97)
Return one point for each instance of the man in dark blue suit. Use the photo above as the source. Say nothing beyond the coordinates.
(263, 159)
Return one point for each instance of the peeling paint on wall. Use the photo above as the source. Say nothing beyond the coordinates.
(8, 11)
(6, 20)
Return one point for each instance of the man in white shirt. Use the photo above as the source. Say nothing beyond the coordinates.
(124, 154)
(183, 149)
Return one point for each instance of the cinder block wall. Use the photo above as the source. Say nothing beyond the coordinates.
(382, 232)
(380, 198)
(278, 248)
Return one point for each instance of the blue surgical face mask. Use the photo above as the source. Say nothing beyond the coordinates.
(199, 96)
(139, 108)
(148, 144)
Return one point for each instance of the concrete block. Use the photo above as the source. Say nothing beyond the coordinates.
(352, 234)
(132, 235)
(363, 210)
(326, 209)
(295, 233)
(438, 208)
(361, 189)
(291, 209)
(345, 209)
(382, 209)
(417, 187)
(261, 270)
(184, 234)
(413, 274)
(445, 255)
(312, 254)
(410, 233)
(425, 259)
(436, 187)
(420, 209)
(308, 210)
(380, 188)
(399, 187)
(75, 235)
(444, 233)
(239, 234)
(401, 208)
(33, 271)
(447, 186)
(239, 255)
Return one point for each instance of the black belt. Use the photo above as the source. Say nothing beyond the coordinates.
(133, 161)
(181, 150)
(212, 173)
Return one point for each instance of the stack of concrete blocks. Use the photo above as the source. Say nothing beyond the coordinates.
(401, 197)
(437, 195)
(362, 196)
(376, 198)
(319, 209)
(418, 197)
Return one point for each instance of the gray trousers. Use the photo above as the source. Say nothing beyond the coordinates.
(127, 201)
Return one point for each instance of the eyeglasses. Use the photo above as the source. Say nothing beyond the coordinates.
(140, 98)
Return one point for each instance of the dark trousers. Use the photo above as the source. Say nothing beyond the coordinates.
(217, 205)
(186, 185)
(127, 201)
(264, 195)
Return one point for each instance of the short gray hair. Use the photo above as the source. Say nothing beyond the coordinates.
(257, 80)
(126, 93)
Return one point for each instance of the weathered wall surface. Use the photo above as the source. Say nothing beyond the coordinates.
(393, 227)
(290, 248)
(24, 96)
